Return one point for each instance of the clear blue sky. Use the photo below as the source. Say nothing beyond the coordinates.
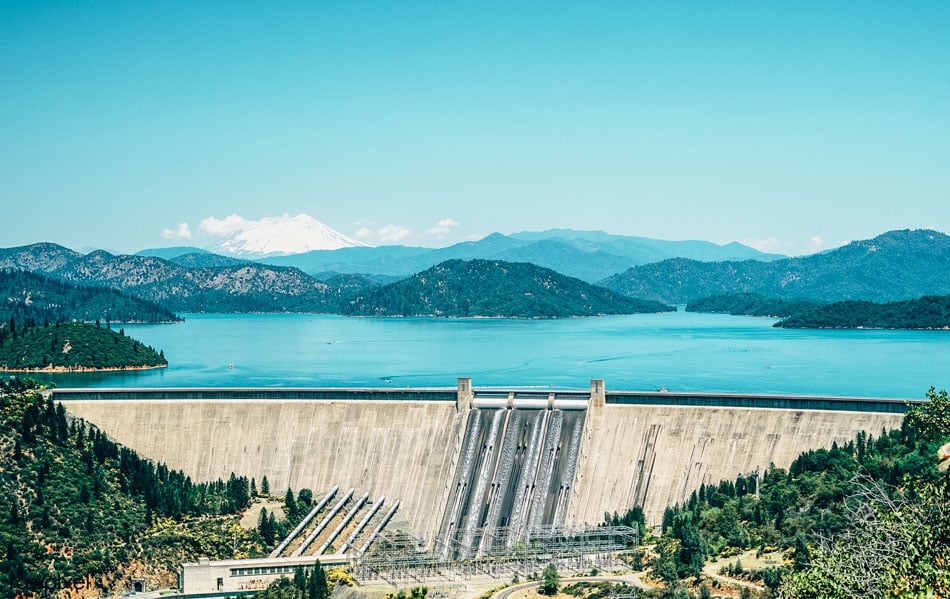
(792, 125)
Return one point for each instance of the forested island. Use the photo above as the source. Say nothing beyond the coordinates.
(72, 347)
(929, 312)
(55, 326)
(752, 304)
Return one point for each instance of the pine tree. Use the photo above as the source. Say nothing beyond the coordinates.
(802, 556)
(290, 505)
(317, 583)
(323, 590)
(263, 526)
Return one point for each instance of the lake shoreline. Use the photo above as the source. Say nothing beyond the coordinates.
(80, 369)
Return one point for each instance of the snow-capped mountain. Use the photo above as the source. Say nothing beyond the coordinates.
(276, 236)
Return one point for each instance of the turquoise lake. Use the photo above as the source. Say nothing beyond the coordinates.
(678, 351)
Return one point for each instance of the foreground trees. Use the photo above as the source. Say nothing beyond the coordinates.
(75, 506)
(898, 539)
(869, 518)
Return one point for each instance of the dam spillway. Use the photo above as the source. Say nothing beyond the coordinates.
(597, 451)
(514, 475)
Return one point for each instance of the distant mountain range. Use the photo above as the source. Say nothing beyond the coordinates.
(894, 266)
(586, 255)
(897, 265)
(453, 288)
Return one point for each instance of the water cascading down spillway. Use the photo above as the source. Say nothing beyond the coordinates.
(514, 474)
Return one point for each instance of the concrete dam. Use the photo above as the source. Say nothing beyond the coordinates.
(465, 461)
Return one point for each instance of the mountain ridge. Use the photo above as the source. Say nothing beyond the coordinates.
(493, 288)
(532, 291)
(896, 265)
(587, 255)
(32, 297)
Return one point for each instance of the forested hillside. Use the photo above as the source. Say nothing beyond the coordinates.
(75, 507)
(28, 296)
(38, 257)
(898, 265)
(932, 312)
(243, 287)
(458, 288)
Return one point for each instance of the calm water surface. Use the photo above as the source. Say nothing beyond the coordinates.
(681, 352)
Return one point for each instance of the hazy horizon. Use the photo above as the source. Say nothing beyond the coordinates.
(210, 246)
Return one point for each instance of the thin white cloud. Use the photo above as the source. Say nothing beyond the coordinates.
(770, 244)
(218, 227)
(442, 228)
(393, 233)
(181, 231)
(791, 248)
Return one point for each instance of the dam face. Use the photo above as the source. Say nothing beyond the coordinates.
(463, 462)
